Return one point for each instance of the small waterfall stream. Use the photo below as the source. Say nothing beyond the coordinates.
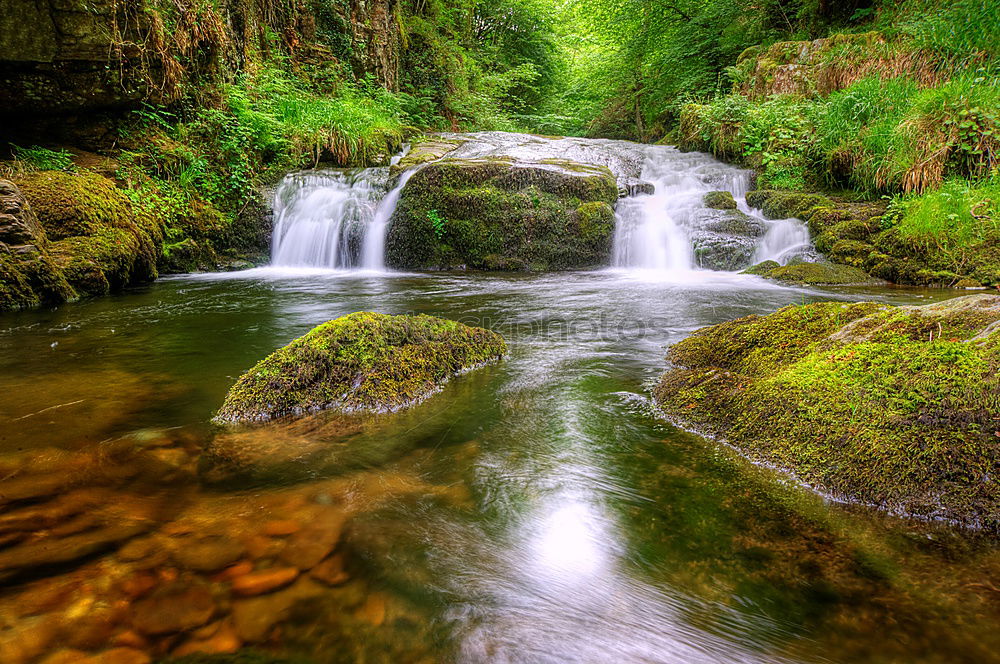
(339, 219)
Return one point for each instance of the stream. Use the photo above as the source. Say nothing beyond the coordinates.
(534, 511)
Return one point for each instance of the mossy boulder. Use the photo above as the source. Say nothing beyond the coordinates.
(29, 276)
(776, 204)
(762, 269)
(817, 274)
(719, 200)
(891, 406)
(498, 213)
(98, 236)
(362, 362)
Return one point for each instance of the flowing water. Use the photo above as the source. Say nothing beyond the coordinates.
(533, 511)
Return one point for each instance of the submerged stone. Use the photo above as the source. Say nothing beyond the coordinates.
(360, 362)
(887, 405)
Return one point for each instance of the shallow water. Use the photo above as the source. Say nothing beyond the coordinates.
(533, 511)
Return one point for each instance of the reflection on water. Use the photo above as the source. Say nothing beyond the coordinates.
(533, 511)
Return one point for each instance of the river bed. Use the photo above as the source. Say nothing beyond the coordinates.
(534, 511)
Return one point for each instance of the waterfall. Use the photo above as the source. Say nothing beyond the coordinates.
(672, 230)
(373, 251)
(334, 219)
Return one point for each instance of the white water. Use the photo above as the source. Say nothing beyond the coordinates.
(340, 219)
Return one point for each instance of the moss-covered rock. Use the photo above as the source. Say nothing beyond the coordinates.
(888, 405)
(28, 275)
(820, 274)
(430, 148)
(99, 238)
(719, 200)
(499, 213)
(776, 204)
(360, 362)
(762, 269)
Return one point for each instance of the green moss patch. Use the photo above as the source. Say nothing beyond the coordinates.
(820, 274)
(497, 214)
(720, 200)
(359, 362)
(893, 406)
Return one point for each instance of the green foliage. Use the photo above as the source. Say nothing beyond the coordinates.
(43, 159)
(437, 223)
(956, 217)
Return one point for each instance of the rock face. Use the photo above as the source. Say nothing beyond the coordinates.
(360, 362)
(876, 403)
(28, 274)
(503, 214)
(72, 56)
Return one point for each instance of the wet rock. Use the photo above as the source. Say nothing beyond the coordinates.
(762, 269)
(728, 222)
(28, 639)
(359, 362)
(281, 528)
(223, 639)
(306, 548)
(265, 581)
(119, 656)
(636, 188)
(331, 571)
(717, 251)
(52, 551)
(66, 656)
(427, 150)
(254, 618)
(785, 204)
(175, 608)
(208, 554)
(719, 200)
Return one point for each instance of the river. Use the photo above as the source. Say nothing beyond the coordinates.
(533, 511)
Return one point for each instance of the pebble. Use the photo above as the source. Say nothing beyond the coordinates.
(281, 528)
(208, 554)
(173, 609)
(308, 547)
(331, 571)
(255, 617)
(223, 641)
(265, 581)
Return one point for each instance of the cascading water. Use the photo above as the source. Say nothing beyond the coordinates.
(340, 219)
(335, 218)
(671, 229)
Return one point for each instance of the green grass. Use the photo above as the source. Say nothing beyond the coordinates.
(958, 215)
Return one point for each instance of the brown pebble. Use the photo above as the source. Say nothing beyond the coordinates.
(307, 547)
(281, 528)
(331, 571)
(210, 553)
(138, 585)
(130, 639)
(173, 609)
(94, 629)
(233, 571)
(265, 581)
(28, 640)
(373, 610)
(223, 641)
(120, 656)
(66, 656)
(259, 546)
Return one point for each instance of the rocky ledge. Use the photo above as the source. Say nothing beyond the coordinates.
(360, 362)
(891, 406)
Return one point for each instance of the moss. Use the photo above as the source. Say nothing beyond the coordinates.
(719, 200)
(786, 204)
(30, 279)
(78, 203)
(897, 407)
(98, 237)
(360, 362)
(820, 274)
(851, 252)
(762, 269)
(504, 215)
